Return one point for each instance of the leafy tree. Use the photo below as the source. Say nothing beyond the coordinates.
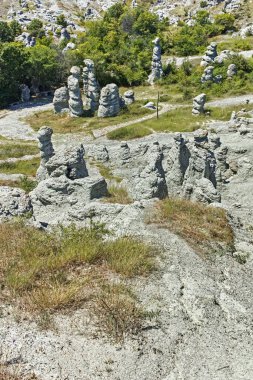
(13, 71)
(225, 22)
(35, 28)
(6, 33)
(15, 28)
(60, 20)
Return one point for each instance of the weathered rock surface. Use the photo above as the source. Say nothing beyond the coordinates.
(129, 97)
(75, 98)
(91, 87)
(13, 202)
(61, 100)
(208, 75)
(232, 70)
(199, 104)
(25, 93)
(210, 55)
(109, 102)
(46, 151)
(156, 65)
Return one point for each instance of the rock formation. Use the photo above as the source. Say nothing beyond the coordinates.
(209, 76)
(109, 102)
(25, 93)
(64, 34)
(156, 66)
(75, 98)
(199, 104)
(13, 202)
(61, 100)
(210, 55)
(46, 151)
(232, 70)
(66, 184)
(129, 97)
(91, 87)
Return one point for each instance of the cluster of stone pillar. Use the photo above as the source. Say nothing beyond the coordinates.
(107, 102)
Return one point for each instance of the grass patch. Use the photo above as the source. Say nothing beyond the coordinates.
(23, 183)
(206, 229)
(118, 194)
(177, 120)
(131, 132)
(44, 272)
(10, 149)
(6, 375)
(66, 124)
(26, 167)
(106, 172)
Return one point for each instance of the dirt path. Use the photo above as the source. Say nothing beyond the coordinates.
(102, 132)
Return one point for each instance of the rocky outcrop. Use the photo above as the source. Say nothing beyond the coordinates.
(232, 70)
(25, 93)
(46, 151)
(156, 66)
(109, 102)
(210, 55)
(75, 98)
(147, 178)
(199, 104)
(91, 87)
(13, 202)
(129, 97)
(208, 75)
(67, 184)
(61, 100)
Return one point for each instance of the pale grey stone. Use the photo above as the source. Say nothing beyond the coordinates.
(91, 86)
(109, 102)
(75, 98)
(61, 100)
(46, 151)
(129, 97)
(13, 202)
(156, 65)
(25, 93)
(199, 104)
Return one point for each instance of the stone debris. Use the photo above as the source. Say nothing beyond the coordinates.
(75, 98)
(109, 102)
(13, 202)
(199, 104)
(210, 55)
(46, 151)
(91, 86)
(25, 93)
(156, 65)
(61, 100)
(150, 106)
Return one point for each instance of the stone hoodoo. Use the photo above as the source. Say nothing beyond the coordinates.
(61, 100)
(46, 151)
(91, 87)
(199, 104)
(232, 70)
(109, 102)
(210, 55)
(208, 75)
(129, 97)
(200, 177)
(75, 98)
(156, 66)
(67, 183)
(25, 93)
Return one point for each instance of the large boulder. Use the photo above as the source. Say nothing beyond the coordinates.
(61, 100)
(109, 102)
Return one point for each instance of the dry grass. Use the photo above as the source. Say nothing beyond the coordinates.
(44, 272)
(24, 183)
(118, 194)
(6, 375)
(105, 171)
(10, 148)
(205, 228)
(66, 124)
(26, 167)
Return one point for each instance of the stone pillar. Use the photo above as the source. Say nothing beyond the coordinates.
(91, 87)
(46, 151)
(75, 98)
(156, 66)
(109, 102)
